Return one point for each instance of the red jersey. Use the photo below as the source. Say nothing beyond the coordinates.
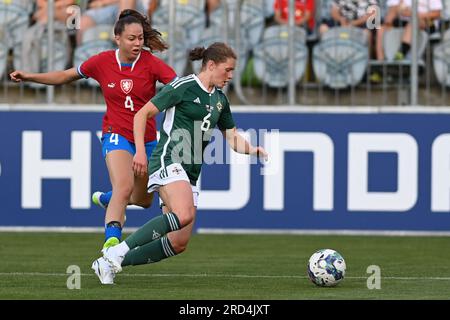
(300, 7)
(126, 88)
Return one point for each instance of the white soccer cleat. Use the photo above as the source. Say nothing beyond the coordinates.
(96, 199)
(115, 260)
(104, 271)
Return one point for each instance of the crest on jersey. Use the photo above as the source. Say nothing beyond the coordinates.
(126, 85)
(219, 106)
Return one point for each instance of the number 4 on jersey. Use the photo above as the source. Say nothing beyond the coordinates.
(129, 103)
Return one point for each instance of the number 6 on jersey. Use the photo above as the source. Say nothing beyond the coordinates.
(206, 124)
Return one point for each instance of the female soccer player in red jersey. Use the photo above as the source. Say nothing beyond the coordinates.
(127, 77)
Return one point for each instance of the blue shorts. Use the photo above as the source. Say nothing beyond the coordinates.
(114, 141)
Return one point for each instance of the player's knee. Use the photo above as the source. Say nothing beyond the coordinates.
(123, 191)
(144, 202)
(179, 245)
(186, 216)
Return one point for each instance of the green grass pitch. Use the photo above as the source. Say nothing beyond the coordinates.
(267, 267)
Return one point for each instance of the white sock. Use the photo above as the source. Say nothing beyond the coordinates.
(122, 248)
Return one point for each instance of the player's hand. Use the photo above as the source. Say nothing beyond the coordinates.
(261, 153)
(140, 164)
(18, 76)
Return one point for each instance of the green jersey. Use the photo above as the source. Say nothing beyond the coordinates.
(191, 114)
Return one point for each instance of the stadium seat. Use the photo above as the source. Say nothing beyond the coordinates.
(94, 41)
(441, 60)
(271, 56)
(252, 21)
(446, 10)
(14, 19)
(3, 52)
(324, 7)
(189, 15)
(340, 59)
(179, 48)
(392, 41)
(251, 16)
(34, 53)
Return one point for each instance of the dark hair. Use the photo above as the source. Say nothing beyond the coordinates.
(152, 37)
(218, 52)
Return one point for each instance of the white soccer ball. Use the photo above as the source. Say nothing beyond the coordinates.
(326, 268)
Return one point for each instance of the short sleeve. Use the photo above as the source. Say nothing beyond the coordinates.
(165, 73)
(168, 97)
(226, 118)
(89, 68)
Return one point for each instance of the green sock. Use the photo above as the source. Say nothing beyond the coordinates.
(154, 229)
(149, 253)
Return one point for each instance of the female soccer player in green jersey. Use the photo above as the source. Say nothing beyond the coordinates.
(193, 106)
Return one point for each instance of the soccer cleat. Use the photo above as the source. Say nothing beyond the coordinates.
(375, 77)
(399, 56)
(111, 242)
(96, 199)
(104, 271)
(110, 255)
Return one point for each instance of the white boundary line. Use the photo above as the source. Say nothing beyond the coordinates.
(206, 275)
(237, 108)
(326, 232)
(400, 233)
(59, 229)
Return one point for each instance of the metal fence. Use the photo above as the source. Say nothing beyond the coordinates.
(277, 64)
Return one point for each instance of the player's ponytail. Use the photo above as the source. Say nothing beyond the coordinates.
(218, 52)
(152, 37)
(197, 53)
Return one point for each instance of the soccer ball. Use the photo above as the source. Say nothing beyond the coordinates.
(326, 268)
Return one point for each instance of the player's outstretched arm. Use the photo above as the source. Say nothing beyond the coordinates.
(51, 78)
(139, 123)
(240, 145)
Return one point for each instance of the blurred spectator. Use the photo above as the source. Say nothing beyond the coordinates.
(399, 15)
(210, 6)
(40, 15)
(346, 13)
(304, 13)
(152, 6)
(107, 12)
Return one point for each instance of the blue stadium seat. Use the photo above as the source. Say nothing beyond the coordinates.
(271, 56)
(94, 41)
(189, 15)
(340, 59)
